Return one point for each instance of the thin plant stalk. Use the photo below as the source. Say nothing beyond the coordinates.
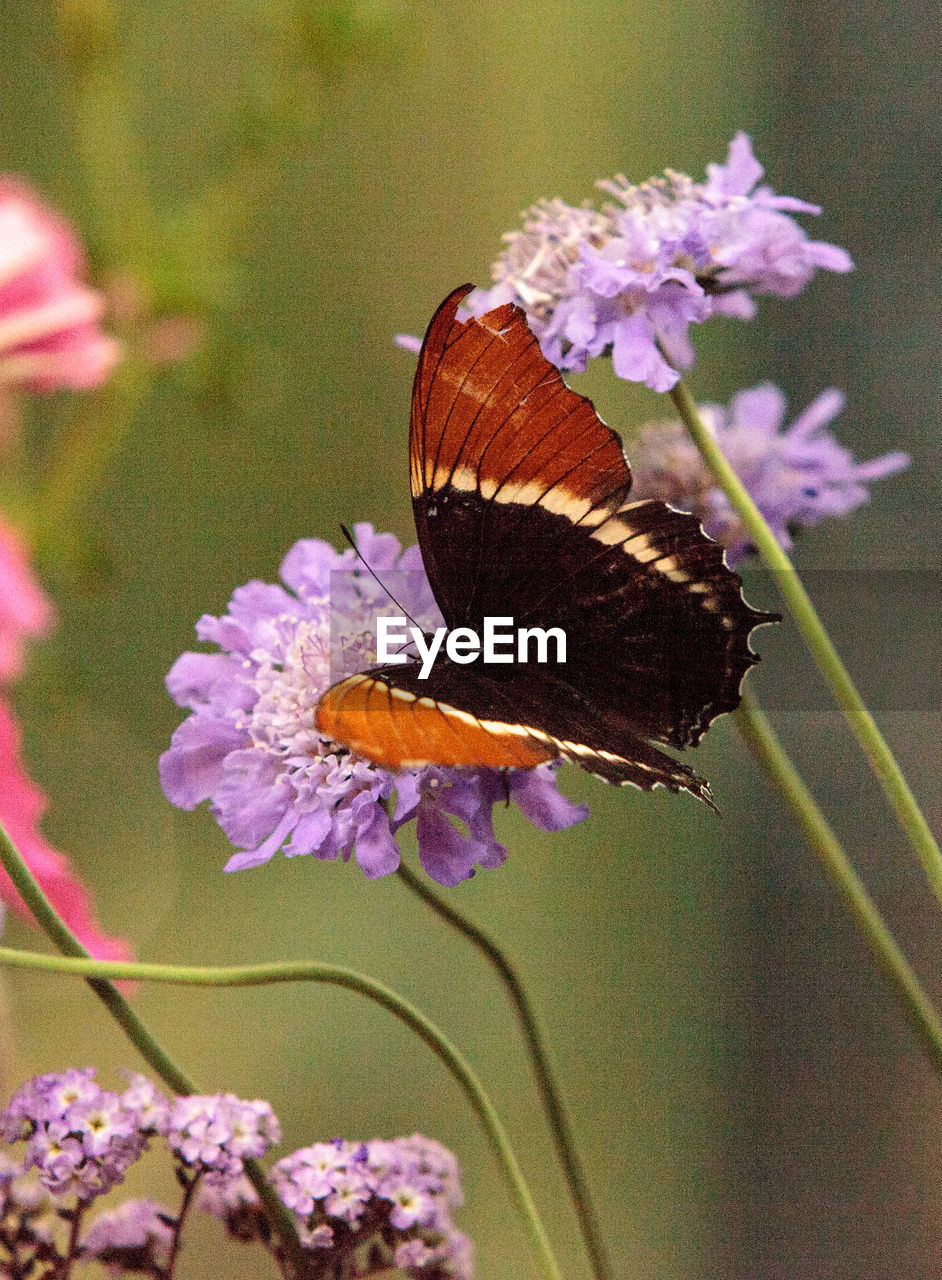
(101, 975)
(188, 1190)
(861, 722)
(550, 1096)
(768, 750)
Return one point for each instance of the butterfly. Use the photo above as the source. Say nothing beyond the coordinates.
(521, 497)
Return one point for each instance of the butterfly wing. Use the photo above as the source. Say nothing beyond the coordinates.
(520, 498)
(495, 433)
(461, 716)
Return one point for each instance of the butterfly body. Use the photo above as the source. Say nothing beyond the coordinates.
(521, 497)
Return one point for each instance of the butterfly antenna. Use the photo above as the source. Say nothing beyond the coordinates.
(349, 536)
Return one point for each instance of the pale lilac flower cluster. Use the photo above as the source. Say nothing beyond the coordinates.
(252, 748)
(631, 278)
(399, 1194)
(134, 1238)
(797, 475)
(362, 1208)
(235, 1202)
(80, 1138)
(214, 1134)
(26, 1236)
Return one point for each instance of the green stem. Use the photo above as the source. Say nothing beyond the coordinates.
(75, 960)
(134, 1028)
(818, 641)
(550, 1096)
(762, 740)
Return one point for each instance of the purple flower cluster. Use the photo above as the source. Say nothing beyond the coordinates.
(398, 1193)
(213, 1135)
(235, 1202)
(135, 1238)
(252, 748)
(80, 1138)
(388, 1203)
(26, 1236)
(796, 475)
(630, 279)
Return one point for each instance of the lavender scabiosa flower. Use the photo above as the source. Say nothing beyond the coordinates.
(80, 1138)
(396, 1196)
(251, 746)
(135, 1237)
(797, 475)
(631, 278)
(212, 1135)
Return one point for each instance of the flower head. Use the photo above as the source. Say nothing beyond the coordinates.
(21, 806)
(251, 745)
(235, 1202)
(80, 1138)
(631, 278)
(26, 1212)
(134, 1237)
(214, 1134)
(144, 1098)
(49, 332)
(796, 475)
(403, 1190)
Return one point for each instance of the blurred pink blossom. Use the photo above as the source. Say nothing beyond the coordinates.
(25, 609)
(49, 332)
(21, 806)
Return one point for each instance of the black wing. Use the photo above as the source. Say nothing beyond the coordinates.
(461, 716)
(520, 499)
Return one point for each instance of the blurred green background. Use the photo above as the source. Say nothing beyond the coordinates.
(302, 180)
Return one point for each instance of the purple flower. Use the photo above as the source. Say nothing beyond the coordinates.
(235, 1202)
(214, 1134)
(251, 746)
(134, 1237)
(80, 1138)
(143, 1097)
(797, 476)
(630, 279)
(345, 1193)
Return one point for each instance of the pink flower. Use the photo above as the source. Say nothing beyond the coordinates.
(25, 609)
(49, 333)
(21, 806)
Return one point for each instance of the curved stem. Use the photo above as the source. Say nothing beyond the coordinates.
(136, 1031)
(98, 971)
(855, 712)
(762, 740)
(550, 1096)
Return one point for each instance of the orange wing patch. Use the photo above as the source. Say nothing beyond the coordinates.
(398, 730)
